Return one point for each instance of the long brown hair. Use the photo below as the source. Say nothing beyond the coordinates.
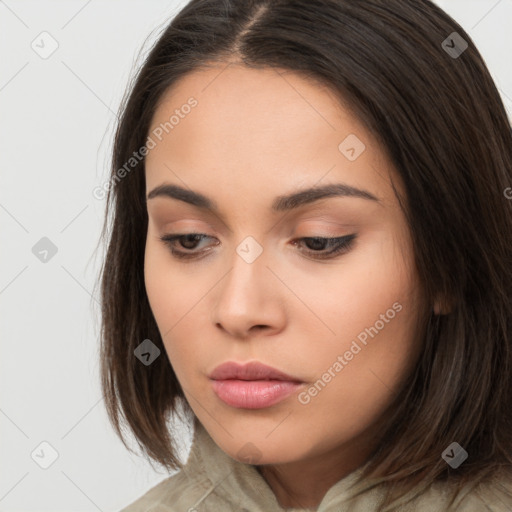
(435, 110)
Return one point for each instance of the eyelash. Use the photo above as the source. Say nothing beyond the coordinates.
(341, 244)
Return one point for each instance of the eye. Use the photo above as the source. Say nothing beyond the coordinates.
(187, 241)
(316, 250)
(318, 244)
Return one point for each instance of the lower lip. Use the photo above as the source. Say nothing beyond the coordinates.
(253, 394)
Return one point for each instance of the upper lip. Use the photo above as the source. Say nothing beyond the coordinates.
(253, 370)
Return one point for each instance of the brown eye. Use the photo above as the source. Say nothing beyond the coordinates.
(189, 241)
(317, 245)
(186, 241)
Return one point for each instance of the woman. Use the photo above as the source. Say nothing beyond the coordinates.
(311, 253)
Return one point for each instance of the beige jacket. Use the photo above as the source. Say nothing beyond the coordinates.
(211, 481)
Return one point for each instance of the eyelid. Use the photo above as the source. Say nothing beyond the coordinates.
(317, 224)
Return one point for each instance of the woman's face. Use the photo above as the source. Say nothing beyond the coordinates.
(259, 285)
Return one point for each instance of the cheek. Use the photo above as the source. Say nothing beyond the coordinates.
(167, 291)
(176, 295)
(162, 293)
(354, 381)
(351, 295)
(373, 309)
(171, 287)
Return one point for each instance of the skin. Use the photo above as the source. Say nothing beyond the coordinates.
(255, 135)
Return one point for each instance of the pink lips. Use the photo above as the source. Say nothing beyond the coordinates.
(252, 386)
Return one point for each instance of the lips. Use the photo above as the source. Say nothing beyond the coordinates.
(250, 371)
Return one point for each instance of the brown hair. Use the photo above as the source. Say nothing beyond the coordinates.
(441, 120)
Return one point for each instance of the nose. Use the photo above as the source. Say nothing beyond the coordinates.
(249, 299)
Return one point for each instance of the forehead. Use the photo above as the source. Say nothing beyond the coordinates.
(255, 101)
(270, 126)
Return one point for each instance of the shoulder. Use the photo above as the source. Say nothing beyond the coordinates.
(177, 492)
(495, 496)
(491, 496)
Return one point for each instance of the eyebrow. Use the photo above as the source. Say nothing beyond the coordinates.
(280, 203)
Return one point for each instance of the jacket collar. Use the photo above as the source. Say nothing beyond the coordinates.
(241, 483)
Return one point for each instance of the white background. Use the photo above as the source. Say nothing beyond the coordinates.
(57, 118)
